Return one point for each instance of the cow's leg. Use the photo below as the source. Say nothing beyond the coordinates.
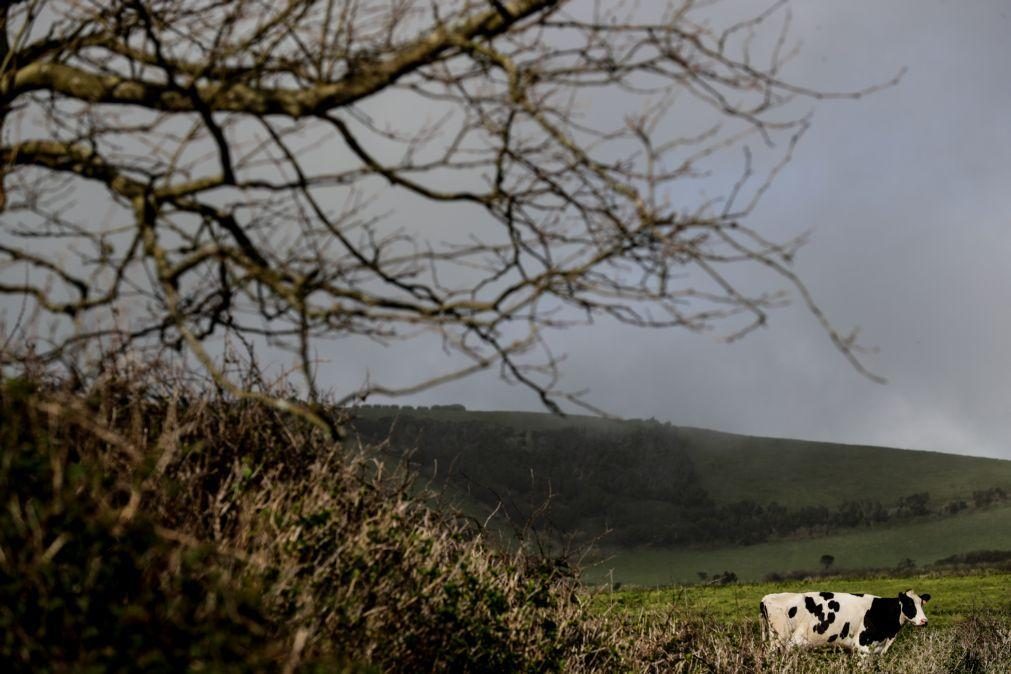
(775, 640)
(766, 627)
(769, 636)
(799, 637)
(886, 646)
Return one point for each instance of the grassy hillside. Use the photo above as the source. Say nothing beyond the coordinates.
(798, 472)
(733, 467)
(884, 547)
(648, 483)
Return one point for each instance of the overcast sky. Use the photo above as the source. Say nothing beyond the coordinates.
(908, 195)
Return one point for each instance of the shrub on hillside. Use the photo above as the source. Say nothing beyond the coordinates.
(358, 560)
(86, 581)
(144, 528)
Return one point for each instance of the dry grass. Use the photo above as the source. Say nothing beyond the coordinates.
(346, 565)
(680, 642)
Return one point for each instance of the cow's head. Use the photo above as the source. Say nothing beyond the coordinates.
(912, 607)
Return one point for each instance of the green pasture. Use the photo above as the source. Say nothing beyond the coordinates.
(953, 597)
(882, 547)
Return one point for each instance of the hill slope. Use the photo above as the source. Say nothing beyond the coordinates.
(657, 484)
(800, 472)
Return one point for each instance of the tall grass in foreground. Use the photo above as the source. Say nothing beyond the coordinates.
(149, 526)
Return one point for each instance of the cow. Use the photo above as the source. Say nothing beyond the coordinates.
(857, 622)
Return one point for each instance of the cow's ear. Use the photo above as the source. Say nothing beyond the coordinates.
(925, 598)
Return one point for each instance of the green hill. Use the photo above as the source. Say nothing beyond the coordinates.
(799, 472)
(654, 484)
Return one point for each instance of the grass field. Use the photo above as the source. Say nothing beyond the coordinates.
(923, 542)
(953, 597)
(716, 629)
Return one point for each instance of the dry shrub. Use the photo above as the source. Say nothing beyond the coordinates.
(147, 523)
(87, 583)
(982, 645)
(686, 642)
(357, 559)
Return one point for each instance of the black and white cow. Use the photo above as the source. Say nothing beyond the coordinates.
(858, 622)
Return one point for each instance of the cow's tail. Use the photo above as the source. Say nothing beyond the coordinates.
(766, 627)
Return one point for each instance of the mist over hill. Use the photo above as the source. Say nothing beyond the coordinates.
(643, 482)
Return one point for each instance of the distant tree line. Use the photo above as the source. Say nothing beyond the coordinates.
(977, 558)
(634, 481)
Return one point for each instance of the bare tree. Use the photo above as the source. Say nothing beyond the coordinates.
(181, 172)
